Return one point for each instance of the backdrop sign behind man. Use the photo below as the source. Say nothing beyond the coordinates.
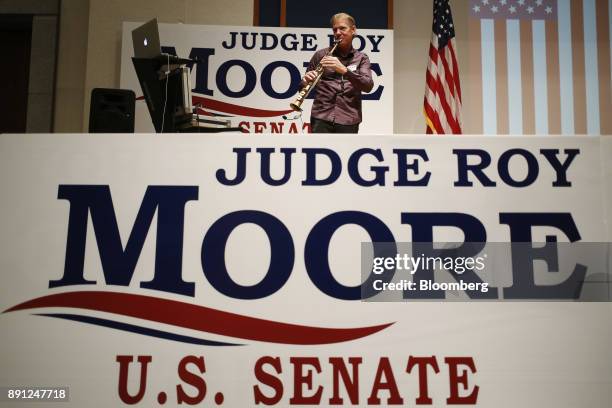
(159, 271)
(250, 75)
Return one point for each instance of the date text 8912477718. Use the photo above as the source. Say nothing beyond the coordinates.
(34, 394)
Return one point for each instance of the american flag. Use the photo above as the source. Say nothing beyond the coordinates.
(539, 67)
(514, 9)
(442, 103)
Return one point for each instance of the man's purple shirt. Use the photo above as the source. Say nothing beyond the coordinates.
(338, 98)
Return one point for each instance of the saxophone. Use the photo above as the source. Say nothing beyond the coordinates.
(297, 104)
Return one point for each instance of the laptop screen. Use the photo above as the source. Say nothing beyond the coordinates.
(146, 40)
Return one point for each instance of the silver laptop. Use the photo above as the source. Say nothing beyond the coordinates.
(146, 40)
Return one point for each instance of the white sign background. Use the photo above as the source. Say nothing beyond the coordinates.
(377, 114)
(526, 354)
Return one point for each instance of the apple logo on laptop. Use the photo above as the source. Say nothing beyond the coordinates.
(146, 43)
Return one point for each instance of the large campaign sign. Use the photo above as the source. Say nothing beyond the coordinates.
(250, 75)
(227, 271)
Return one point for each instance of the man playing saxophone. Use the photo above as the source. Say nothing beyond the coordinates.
(337, 104)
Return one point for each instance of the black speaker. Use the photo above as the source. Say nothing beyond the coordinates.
(111, 111)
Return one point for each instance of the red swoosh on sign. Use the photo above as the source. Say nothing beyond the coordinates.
(234, 109)
(200, 318)
(237, 109)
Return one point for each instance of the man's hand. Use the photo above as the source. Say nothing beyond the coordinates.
(309, 76)
(334, 63)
